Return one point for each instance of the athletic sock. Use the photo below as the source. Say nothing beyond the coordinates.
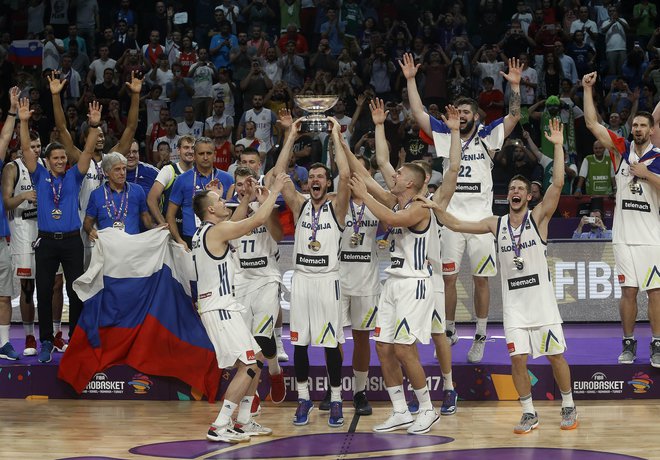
(244, 410)
(629, 337)
(398, 398)
(28, 328)
(303, 390)
(274, 366)
(277, 332)
(447, 382)
(360, 380)
(481, 326)
(224, 417)
(451, 326)
(527, 404)
(4, 334)
(567, 399)
(335, 394)
(57, 327)
(424, 398)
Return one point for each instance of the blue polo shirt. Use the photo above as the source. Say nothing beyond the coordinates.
(104, 213)
(182, 193)
(4, 225)
(71, 182)
(144, 175)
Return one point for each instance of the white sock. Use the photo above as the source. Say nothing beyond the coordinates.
(224, 417)
(303, 390)
(244, 410)
(527, 404)
(335, 394)
(57, 327)
(567, 399)
(481, 326)
(28, 328)
(447, 382)
(274, 366)
(360, 380)
(277, 332)
(4, 334)
(398, 398)
(451, 326)
(424, 398)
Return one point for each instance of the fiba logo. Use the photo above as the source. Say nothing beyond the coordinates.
(641, 383)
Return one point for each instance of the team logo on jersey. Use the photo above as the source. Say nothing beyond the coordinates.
(462, 187)
(249, 355)
(523, 282)
(449, 267)
(312, 261)
(622, 278)
(511, 347)
(486, 266)
(377, 332)
(258, 262)
(632, 205)
(294, 336)
(653, 277)
(355, 256)
(550, 342)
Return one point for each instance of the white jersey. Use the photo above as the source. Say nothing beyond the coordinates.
(435, 255)
(264, 122)
(528, 297)
(358, 270)
(328, 235)
(636, 214)
(409, 251)
(473, 198)
(23, 219)
(215, 275)
(92, 180)
(257, 259)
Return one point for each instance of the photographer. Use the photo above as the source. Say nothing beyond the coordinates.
(597, 229)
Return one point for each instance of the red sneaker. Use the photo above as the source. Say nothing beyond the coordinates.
(59, 344)
(277, 388)
(256, 406)
(30, 346)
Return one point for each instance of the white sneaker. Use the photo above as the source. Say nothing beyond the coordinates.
(424, 421)
(476, 353)
(397, 421)
(252, 428)
(226, 433)
(281, 355)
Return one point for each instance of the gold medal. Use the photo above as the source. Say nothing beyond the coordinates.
(56, 213)
(382, 244)
(355, 240)
(314, 245)
(519, 263)
(118, 225)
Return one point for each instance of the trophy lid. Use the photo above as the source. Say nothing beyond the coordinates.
(316, 103)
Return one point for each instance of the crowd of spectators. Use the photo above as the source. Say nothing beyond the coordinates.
(223, 68)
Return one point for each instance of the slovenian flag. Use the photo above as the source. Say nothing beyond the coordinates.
(26, 52)
(138, 311)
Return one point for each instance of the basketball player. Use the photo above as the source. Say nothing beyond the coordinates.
(94, 175)
(532, 323)
(220, 312)
(474, 193)
(315, 293)
(258, 277)
(635, 235)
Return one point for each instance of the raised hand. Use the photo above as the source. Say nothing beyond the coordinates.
(358, 187)
(279, 182)
(452, 120)
(24, 112)
(94, 113)
(56, 85)
(515, 72)
(215, 186)
(408, 66)
(426, 202)
(556, 135)
(135, 85)
(378, 112)
(284, 118)
(589, 79)
(14, 92)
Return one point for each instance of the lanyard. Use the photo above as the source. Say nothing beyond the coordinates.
(357, 220)
(56, 193)
(123, 204)
(315, 219)
(515, 241)
(194, 185)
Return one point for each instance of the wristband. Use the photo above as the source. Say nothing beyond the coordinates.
(94, 126)
(10, 114)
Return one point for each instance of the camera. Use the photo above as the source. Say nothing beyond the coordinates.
(590, 220)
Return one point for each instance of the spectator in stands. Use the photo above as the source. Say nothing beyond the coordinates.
(153, 50)
(189, 125)
(73, 36)
(256, 82)
(378, 71)
(172, 138)
(107, 90)
(491, 101)
(219, 117)
(264, 120)
(115, 49)
(179, 91)
(333, 29)
(597, 229)
(582, 53)
(258, 13)
(585, 25)
(634, 67)
(222, 44)
(614, 29)
(566, 62)
(161, 75)
(98, 66)
(644, 17)
(203, 74)
(597, 172)
(486, 63)
(224, 150)
(80, 62)
(570, 170)
(292, 67)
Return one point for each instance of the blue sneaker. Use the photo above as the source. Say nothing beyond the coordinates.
(46, 353)
(301, 418)
(449, 402)
(336, 414)
(413, 406)
(8, 352)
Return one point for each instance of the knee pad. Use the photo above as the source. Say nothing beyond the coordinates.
(268, 346)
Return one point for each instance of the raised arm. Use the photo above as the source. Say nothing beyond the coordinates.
(343, 191)
(487, 225)
(379, 115)
(591, 116)
(544, 211)
(293, 198)
(409, 70)
(443, 195)
(24, 114)
(513, 77)
(10, 121)
(94, 120)
(56, 86)
(134, 87)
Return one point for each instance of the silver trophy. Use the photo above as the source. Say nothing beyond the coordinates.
(316, 121)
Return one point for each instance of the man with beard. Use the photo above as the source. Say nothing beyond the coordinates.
(94, 174)
(474, 193)
(315, 293)
(636, 220)
(532, 323)
(159, 195)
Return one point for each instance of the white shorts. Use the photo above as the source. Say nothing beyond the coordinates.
(316, 315)
(405, 310)
(439, 315)
(24, 266)
(638, 266)
(230, 337)
(261, 309)
(6, 278)
(359, 312)
(537, 341)
(481, 251)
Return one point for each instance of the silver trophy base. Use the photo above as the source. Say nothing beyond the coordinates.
(317, 125)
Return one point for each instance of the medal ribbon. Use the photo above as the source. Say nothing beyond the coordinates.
(515, 241)
(123, 204)
(315, 220)
(357, 221)
(194, 185)
(389, 227)
(58, 193)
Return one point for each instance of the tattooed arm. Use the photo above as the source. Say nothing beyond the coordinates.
(513, 77)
